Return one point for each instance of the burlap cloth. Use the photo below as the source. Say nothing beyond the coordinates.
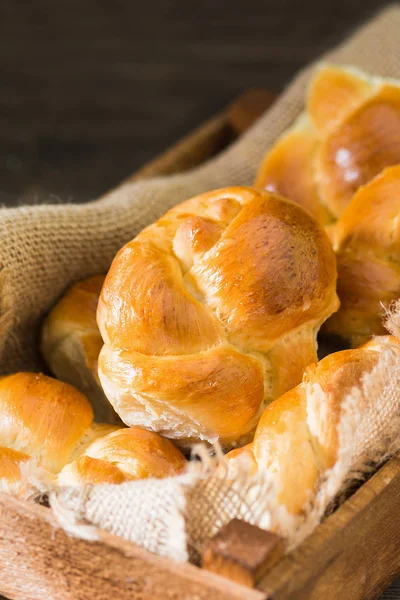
(44, 249)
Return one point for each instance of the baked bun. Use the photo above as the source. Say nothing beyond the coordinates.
(51, 422)
(366, 240)
(124, 455)
(349, 133)
(44, 418)
(213, 311)
(297, 438)
(71, 343)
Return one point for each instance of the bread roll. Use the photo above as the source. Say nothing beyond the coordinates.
(297, 438)
(44, 418)
(51, 422)
(213, 311)
(71, 343)
(348, 134)
(366, 240)
(124, 455)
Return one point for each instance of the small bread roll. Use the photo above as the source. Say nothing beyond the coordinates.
(348, 134)
(296, 440)
(366, 240)
(124, 455)
(71, 343)
(44, 418)
(51, 422)
(213, 311)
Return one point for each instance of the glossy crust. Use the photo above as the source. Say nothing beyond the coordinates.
(349, 133)
(297, 438)
(51, 423)
(124, 455)
(288, 169)
(366, 240)
(71, 343)
(44, 418)
(199, 312)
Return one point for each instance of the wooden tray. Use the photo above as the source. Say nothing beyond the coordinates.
(354, 554)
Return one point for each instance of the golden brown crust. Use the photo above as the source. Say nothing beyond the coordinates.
(51, 424)
(125, 455)
(76, 310)
(71, 343)
(333, 94)
(197, 311)
(296, 439)
(43, 417)
(350, 132)
(171, 320)
(367, 243)
(277, 243)
(202, 389)
(364, 143)
(86, 470)
(288, 169)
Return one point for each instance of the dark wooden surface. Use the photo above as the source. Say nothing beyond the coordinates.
(92, 89)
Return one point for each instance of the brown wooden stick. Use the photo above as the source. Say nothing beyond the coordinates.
(242, 552)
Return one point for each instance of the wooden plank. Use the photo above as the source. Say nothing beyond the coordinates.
(354, 554)
(39, 561)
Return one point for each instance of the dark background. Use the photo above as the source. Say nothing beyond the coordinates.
(91, 89)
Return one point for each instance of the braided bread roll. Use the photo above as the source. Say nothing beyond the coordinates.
(51, 423)
(366, 240)
(297, 438)
(71, 343)
(213, 311)
(124, 455)
(349, 133)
